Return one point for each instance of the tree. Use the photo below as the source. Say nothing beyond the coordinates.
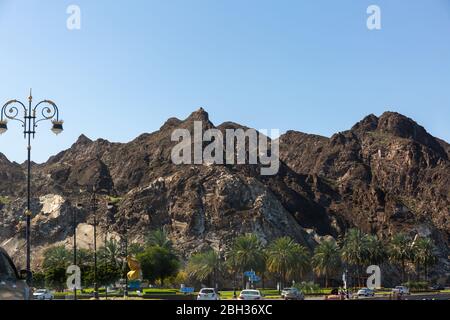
(56, 256)
(56, 261)
(423, 253)
(354, 250)
(246, 254)
(400, 251)
(375, 250)
(286, 258)
(158, 263)
(326, 260)
(205, 266)
(39, 279)
(159, 238)
(110, 253)
(108, 274)
(85, 258)
(55, 277)
(135, 249)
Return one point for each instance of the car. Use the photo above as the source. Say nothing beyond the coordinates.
(250, 295)
(401, 290)
(292, 294)
(13, 285)
(43, 294)
(208, 294)
(437, 287)
(365, 292)
(335, 294)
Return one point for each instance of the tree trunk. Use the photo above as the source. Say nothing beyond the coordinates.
(263, 281)
(403, 271)
(326, 280)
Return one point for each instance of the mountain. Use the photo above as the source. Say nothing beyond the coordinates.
(387, 171)
(384, 175)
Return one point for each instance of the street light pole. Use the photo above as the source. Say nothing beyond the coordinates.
(74, 248)
(29, 121)
(106, 264)
(110, 208)
(94, 210)
(126, 264)
(124, 244)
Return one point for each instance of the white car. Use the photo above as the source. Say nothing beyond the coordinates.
(250, 295)
(43, 294)
(208, 294)
(401, 290)
(366, 292)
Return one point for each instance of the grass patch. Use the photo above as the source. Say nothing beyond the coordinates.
(151, 291)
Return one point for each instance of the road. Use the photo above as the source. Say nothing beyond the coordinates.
(416, 297)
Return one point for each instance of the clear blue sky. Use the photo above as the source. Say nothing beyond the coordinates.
(308, 65)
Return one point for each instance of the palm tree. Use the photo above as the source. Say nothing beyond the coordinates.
(354, 250)
(423, 249)
(400, 251)
(246, 254)
(110, 252)
(286, 258)
(135, 249)
(85, 257)
(57, 256)
(159, 238)
(205, 266)
(376, 251)
(326, 260)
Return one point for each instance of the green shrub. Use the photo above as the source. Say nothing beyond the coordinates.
(417, 285)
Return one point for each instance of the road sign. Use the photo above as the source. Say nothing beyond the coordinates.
(187, 290)
(249, 274)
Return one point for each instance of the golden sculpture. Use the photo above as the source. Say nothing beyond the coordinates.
(135, 267)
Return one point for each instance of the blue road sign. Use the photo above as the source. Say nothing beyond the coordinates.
(187, 290)
(249, 274)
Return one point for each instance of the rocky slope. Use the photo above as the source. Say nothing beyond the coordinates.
(384, 175)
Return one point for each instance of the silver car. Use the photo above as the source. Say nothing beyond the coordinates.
(366, 292)
(292, 294)
(208, 294)
(13, 285)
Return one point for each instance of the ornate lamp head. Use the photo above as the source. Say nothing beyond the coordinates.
(57, 126)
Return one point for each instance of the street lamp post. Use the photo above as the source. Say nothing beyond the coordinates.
(126, 263)
(124, 245)
(74, 222)
(44, 110)
(108, 220)
(94, 208)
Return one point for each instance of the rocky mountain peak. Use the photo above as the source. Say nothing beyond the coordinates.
(400, 125)
(3, 158)
(171, 123)
(83, 140)
(199, 115)
(369, 123)
(404, 127)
